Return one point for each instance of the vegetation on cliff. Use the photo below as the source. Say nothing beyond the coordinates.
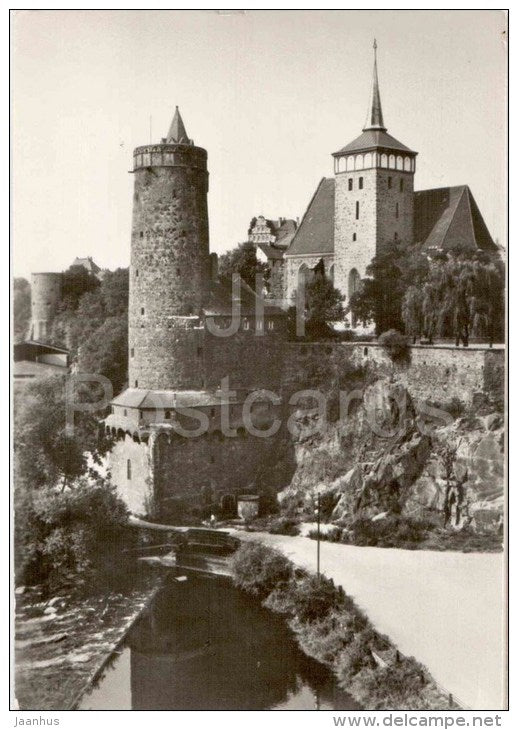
(332, 629)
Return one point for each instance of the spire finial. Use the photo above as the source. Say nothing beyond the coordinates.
(375, 114)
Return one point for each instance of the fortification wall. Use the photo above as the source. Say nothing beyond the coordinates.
(436, 374)
(248, 359)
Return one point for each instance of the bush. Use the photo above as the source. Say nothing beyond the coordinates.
(391, 531)
(335, 534)
(284, 526)
(315, 597)
(258, 569)
(395, 344)
(76, 535)
(397, 686)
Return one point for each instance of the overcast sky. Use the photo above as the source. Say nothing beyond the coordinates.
(269, 94)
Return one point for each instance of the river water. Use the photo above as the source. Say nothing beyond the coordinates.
(204, 645)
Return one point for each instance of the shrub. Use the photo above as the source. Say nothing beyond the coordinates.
(315, 597)
(332, 535)
(284, 526)
(395, 344)
(391, 531)
(258, 569)
(76, 535)
(397, 686)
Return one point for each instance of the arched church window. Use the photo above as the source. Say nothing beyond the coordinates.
(358, 164)
(408, 164)
(368, 160)
(341, 164)
(384, 161)
(392, 161)
(350, 163)
(399, 163)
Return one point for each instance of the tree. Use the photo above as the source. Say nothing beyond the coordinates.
(324, 303)
(21, 309)
(412, 312)
(380, 296)
(105, 351)
(242, 260)
(46, 452)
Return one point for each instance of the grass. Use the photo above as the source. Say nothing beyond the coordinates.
(332, 629)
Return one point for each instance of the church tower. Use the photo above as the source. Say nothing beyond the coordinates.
(374, 195)
(170, 264)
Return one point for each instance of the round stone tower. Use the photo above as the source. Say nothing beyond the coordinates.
(170, 264)
(45, 298)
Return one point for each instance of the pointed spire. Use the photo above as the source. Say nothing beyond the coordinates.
(177, 133)
(375, 114)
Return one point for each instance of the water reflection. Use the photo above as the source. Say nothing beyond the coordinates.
(203, 645)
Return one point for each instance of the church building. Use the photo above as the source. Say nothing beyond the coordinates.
(370, 203)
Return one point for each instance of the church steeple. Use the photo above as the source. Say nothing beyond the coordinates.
(375, 115)
(177, 133)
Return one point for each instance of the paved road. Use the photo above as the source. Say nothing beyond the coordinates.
(444, 608)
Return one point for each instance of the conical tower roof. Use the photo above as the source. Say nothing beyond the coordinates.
(177, 133)
(375, 114)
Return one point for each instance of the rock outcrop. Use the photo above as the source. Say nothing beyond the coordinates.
(390, 455)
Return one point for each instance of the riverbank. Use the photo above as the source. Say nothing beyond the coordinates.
(447, 609)
(330, 628)
(63, 644)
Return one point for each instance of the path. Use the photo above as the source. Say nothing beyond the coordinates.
(444, 608)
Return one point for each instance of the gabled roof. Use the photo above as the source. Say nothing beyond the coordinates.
(449, 219)
(272, 252)
(87, 263)
(285, 233)
(374, 139)
(316, 233)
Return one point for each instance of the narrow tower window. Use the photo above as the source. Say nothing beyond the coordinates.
(350, 181)
(354, 236)
(397, 210)
(142, 234)
(401, 185)
(136, 272)
(360, 183)
(128, 468)
(136, 383)
(142, 310)
(357, 210)
(395, 236)
(389, 180)
(168, 415)
(132, 352)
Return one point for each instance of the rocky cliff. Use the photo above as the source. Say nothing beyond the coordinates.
(390, 454)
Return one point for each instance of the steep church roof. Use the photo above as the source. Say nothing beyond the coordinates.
(449, 219)
(316, 233)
